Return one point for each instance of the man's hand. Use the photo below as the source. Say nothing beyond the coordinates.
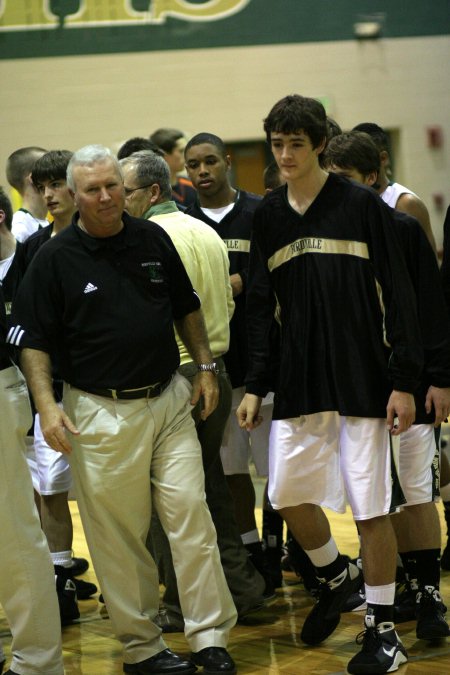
(205, 384)
(248, 412)
(54, 423)
(37, 369)
(400, 405)
(440, 399)
(236, 284)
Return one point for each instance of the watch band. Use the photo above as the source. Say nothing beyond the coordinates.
(208, 367)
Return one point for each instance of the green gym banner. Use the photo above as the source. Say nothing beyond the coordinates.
(36, 14)
(30, 28)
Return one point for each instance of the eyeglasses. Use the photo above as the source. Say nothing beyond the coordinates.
(129, 191)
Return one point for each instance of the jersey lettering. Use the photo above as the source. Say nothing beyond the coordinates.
(317, 245)
(238, 245)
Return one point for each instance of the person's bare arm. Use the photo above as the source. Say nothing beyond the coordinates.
(413, 206)
(191, 329)
(36, 367)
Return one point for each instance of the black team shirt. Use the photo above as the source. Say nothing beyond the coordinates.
(431, 309)
(338, 281)
(235, 229)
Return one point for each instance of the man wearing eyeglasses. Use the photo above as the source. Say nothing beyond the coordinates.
(205, 257)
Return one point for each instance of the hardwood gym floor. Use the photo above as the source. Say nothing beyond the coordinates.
(268, 644)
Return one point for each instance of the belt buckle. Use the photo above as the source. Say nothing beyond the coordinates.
(147, 392)
(154, 388)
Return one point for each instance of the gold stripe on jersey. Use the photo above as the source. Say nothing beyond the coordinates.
(383, 312)
(238, 245)
(318, 245)
(277, 312)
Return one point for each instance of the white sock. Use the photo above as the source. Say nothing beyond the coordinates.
(380, 595)
(325, 555)
(62, 558)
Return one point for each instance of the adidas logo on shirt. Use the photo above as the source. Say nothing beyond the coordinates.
(15, 335)
(89, 288)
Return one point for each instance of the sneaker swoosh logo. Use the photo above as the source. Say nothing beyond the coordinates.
(389, 652)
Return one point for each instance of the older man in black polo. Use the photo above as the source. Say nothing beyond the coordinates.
(102, 299)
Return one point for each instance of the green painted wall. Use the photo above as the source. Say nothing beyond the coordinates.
(249, 22)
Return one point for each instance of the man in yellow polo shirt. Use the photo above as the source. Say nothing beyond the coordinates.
(205, 257)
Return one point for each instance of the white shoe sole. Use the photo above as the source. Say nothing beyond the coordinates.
(398, 661)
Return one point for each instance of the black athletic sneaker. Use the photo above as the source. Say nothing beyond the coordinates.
(382, 650)
(257, 557)
(357, 601)
(67, 596)
(326, 613)
(84, 589)
(79, 566)
(297, 561)
(430, 612)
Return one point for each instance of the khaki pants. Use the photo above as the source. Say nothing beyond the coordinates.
(245, 583)
(128, 454)
(27, 581)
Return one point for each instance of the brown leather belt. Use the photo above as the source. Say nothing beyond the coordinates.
(152, 391)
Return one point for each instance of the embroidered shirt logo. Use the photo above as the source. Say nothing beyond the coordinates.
(155, 271)
(89, 288)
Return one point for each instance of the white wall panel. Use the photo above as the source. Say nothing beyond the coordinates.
(400, 83)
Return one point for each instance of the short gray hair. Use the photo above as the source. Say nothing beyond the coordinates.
(150, 168)
(88, 155)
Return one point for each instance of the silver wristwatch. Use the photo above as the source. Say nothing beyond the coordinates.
(208, 367)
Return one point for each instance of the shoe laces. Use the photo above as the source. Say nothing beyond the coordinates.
(429, 597)
(370, 639)
(404, 590)
(323, 590)
(429, 593)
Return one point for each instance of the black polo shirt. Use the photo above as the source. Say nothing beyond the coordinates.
(104, 308)
(32, 245)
